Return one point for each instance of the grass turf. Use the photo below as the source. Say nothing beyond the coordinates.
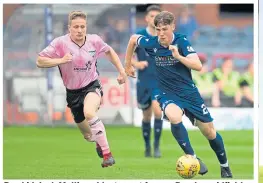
(62, 153)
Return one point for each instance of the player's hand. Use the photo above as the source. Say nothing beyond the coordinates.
(141, 65)
(67, 58)
(175, 51)
(122, 78)
(130, 71)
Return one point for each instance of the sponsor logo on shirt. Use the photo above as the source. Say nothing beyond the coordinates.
(165, 61)
(85, 67)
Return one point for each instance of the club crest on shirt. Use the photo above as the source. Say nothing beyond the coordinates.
(92, 53)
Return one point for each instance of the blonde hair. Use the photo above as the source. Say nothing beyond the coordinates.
(76, 14)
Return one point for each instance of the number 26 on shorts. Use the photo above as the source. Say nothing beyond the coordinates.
(205, 110)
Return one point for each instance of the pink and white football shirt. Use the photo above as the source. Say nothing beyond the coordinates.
(82, 69)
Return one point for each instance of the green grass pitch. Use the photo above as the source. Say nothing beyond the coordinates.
(261, 174)
(62, 153)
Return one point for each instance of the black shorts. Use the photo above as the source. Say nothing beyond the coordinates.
(75, 99)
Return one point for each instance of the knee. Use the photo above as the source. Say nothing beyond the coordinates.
(175, 118)
(89, 114)
(158, 113)
(174, 114)
(147, 115)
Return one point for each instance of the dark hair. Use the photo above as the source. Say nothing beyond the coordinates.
(153, 8)
(165, 18)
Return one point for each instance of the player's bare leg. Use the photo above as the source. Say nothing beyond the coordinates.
(84, 127)
(91, 104)
(174, 114)
(217, 144)
(146, 130)
(85, 130)
(158, 124)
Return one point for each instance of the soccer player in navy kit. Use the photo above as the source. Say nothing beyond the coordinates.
(174, 59)
(147, 87)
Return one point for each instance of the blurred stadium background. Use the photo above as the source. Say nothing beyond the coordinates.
(220, 33)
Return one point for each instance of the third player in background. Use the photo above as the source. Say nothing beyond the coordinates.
(147, 87)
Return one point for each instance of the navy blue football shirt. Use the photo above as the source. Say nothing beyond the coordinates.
(172, 76)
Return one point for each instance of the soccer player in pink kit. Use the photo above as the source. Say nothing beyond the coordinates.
(76, 56)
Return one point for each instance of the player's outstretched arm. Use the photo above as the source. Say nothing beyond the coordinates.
(129, 53)
(191, 61)
(45, 62)
(130, 49)
(115, 60)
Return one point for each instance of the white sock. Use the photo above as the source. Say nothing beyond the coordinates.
(224, 165)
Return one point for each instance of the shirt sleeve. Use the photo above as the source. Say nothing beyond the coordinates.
(184, 47)
(101, 46)
(51, 51)
(141, 54)
(143, 42)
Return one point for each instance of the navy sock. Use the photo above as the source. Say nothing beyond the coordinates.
(146, 132)
(181, 135)
(217, 145)
(158, 125)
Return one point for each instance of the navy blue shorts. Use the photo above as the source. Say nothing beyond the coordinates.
(194, 109)
(145, 96)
